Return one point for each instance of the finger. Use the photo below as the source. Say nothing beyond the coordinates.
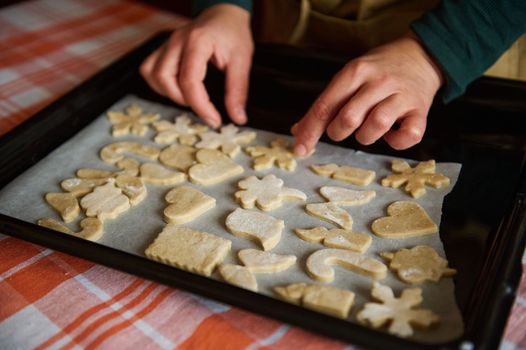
(236, 87)
(380, 119)
(166, 71)
(191, 77)
(353, 114)
(411, 131)
(146, 70)
(313, 124)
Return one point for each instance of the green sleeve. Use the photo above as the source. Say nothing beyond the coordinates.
(200, 5)
(467, 36)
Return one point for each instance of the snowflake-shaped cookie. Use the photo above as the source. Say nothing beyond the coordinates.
(278, 153)
(399, 311)
(133, 120)
(418, 264)
(182, 130)
(415, 179)
(227, 140)
(267, 193)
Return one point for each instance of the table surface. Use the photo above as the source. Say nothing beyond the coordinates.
(53, 300)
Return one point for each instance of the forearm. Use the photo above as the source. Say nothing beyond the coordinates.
(466, 37)
(200, 5)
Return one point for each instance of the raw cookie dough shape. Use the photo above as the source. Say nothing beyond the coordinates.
(418, 264)
(180, 157)
(319, 264)
(66, 204)
(181, 130)
(133, 120)
(267, 193)
(129, 166)
(90, 173)
(353, 175)
(91, 228)
(187, 204)
(113, 152)
(132, 187)
(188, 249)
(293, 293)
(278, 153)
(80, 187)
(336, 238)
(239, 276)
(258, 261)
(346, 197)
(227, 140)
(255, 226)
(214, 167)
(405, 219)
(399, 312)
(326, 299)
(159, 175)
(330, 212)
(415, 179)
(105, 202)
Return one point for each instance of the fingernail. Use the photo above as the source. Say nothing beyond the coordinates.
(242, 115)
(213, 123)
(300, 150)
(294, 128)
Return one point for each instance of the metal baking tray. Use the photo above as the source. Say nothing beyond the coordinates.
(483, 224)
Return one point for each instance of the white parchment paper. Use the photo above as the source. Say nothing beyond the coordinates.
(134, 230)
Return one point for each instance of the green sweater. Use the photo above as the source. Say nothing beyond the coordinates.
(465, 37)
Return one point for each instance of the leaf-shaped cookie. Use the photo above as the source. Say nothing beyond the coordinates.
(346, 197)
(330, 212)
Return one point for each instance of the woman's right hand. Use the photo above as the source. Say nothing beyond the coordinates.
(177, 69)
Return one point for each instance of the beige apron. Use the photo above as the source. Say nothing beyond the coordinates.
(354, 26)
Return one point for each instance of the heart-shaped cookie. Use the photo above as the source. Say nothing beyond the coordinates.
(214, 167)
(406, 219)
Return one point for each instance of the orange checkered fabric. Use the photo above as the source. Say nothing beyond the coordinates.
(50, 300)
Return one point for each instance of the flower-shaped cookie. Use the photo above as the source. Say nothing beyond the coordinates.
(132, 121)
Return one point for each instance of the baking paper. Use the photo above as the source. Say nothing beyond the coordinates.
(134, 230)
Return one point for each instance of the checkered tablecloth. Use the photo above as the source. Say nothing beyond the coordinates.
(52, 300)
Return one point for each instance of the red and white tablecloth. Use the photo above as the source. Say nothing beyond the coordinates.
(53, 300)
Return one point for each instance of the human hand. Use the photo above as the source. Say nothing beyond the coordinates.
(177, 69)
(394, 83)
